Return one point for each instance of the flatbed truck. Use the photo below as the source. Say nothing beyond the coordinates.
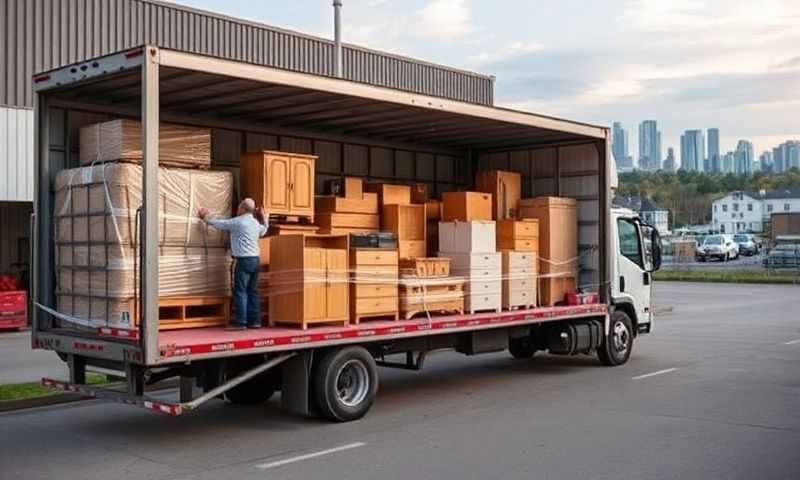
(330, 371)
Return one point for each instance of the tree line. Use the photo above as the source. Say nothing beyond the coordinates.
(689, 195)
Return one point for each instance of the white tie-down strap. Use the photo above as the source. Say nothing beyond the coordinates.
(65, 317)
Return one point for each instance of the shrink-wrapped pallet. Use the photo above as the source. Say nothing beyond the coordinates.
(178, 145)
(97, 249)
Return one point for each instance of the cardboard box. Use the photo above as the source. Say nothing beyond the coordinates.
(389, 194)
(466, 206)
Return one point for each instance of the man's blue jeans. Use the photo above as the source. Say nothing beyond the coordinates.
(245, 292)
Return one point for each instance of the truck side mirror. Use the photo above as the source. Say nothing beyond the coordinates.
(655, 241)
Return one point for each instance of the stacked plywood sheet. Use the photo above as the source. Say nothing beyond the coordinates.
(97, 249)
(471, 247)
(121, 140)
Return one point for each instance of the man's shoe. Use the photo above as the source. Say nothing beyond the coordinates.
(235, 328)
(255, 326)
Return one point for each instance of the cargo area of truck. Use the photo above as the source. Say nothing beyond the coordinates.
(354, 129)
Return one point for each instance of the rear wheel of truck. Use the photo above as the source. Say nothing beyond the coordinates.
(345, 383)
(521, 347)
(617, 346)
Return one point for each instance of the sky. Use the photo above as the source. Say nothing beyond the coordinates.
(689, 64)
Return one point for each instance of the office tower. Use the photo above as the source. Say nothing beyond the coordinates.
(619, 147)
(669, 162)
(692, 150)
(649, 145)
(727, 162)
(765, 159)
(713, 150)
(743, 158)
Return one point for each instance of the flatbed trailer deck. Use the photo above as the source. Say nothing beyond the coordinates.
(423, 136)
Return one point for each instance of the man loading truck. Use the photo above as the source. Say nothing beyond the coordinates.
(245, 229)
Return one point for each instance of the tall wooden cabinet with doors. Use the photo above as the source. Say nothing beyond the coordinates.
(282, 183)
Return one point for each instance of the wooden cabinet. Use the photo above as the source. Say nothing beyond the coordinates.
(467, 237)
(373, 286)
(519, 235)
(408, 222)
(505, 187)
(466, 206)
(558, 244)
(309, 280)
(276, 229)
(389, 194)
(283, 183)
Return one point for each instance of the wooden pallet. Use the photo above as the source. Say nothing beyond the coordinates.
(193, 312)
(484, 310)
(520, 307)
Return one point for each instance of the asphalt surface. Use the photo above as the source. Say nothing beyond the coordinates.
(712, 393)
(19, 363)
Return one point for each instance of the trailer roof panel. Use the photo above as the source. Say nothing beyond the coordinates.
(197, 86)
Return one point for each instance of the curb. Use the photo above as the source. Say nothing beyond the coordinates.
(46, 401)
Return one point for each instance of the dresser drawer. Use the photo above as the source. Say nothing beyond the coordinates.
(376, 305)
(375, 274)
(489, 287)
(519, 284)
(370, 256)
(374, 290)
(474, 261)
(474, 303)
(516, 261)
(520, 244)
(517, 298)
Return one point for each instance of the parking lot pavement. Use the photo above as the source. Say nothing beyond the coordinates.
(711, 393)
(19, 363)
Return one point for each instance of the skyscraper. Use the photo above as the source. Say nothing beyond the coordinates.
(785, 156)
(649, 145)
(713, 150)
(743, 158)
(619, 147)
(765, 159)
(692, 150)
(669, 162)
(727, 162)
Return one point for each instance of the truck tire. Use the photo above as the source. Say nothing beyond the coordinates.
(617, 345)
(522, 347)
(345, 383)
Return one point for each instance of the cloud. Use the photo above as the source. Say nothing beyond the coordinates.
(793, 62)
(443, 20)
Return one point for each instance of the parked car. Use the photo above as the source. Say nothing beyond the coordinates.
(747, 244)
(784, 255)
(721, 247)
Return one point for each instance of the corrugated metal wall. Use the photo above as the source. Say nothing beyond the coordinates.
(37, 35)
(16, 154)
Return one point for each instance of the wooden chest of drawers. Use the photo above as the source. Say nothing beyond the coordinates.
(373, 283)
(520, 235)
(408, 222)
(467, 237)
(483, 289)
(519, 279)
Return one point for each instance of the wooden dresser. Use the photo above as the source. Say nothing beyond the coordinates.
(408, 222)
(519, 279)
(373, 283)
(282, 183)
(482, 290)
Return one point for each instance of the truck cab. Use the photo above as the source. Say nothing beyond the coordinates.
(636, 248)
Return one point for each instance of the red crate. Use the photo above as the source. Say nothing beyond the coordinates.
(8, 282)
(13, 303)
(13, 321)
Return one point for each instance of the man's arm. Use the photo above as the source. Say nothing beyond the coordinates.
(262, 219)
(219, 224)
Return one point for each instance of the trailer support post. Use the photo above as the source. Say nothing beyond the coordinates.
(149, 265)
(77, 369)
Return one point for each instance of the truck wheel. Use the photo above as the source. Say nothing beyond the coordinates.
(345, 383)
(617, 346)
(521, 347)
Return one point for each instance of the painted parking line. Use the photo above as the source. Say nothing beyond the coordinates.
(653, 374)
(792, 342)
(300, 458)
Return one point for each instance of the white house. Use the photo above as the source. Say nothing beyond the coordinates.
(655, 216)
(744, 211)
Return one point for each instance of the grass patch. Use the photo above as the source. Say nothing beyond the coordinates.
(726, 276)
(24, 391)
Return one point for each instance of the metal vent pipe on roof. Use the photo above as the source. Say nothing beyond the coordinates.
(337, 32)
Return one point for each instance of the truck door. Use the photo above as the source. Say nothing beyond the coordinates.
(634, 277)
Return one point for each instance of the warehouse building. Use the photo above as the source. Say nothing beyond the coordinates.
(38, 35)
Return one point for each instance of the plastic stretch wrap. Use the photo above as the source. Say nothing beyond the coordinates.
(178, 145)
(96, 238)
